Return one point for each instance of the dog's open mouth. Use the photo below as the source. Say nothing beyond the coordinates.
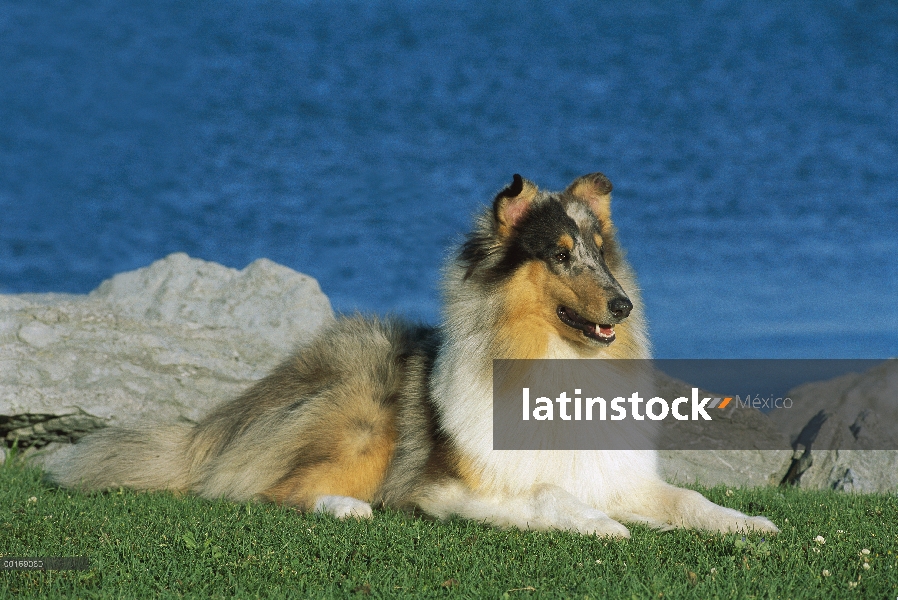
(594, 331)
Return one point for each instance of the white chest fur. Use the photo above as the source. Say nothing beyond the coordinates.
(465, 398)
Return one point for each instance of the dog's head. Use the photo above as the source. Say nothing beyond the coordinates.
(553, 262)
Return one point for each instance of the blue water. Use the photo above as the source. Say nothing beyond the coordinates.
(753, 147)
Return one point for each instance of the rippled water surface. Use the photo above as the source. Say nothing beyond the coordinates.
(753, 147)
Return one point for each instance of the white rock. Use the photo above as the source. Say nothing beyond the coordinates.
(168, 342)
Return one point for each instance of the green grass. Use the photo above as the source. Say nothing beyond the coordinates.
(144, 545)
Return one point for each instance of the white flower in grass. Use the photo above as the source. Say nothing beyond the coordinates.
(826, 572)
(866, 566)
(865, 551)
(820, 540)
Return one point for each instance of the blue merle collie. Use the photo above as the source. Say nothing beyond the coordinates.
(376, 413)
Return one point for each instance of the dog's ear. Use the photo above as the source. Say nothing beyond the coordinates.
(512, 203)
(595, 190)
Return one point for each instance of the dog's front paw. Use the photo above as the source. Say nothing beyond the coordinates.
(746, 524)
(603, 526)
(761, 524)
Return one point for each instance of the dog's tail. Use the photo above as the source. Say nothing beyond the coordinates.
(152, 458)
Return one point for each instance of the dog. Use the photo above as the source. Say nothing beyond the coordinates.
(383, 413)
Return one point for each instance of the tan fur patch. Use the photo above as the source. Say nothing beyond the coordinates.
(349, 452)
(523, 331)
(598, 240)
(468, 472)
(566, 241)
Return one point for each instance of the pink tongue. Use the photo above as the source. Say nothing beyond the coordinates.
(606, 331)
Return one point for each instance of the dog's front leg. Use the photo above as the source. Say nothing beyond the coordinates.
(662, 503)
(544, 507)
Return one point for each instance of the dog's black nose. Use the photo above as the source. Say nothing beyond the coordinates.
(620, 307)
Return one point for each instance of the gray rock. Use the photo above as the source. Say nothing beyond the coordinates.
(746, 428)
(164, 342)
(861, 412)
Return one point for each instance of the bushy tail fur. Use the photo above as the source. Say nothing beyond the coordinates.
(152, 458)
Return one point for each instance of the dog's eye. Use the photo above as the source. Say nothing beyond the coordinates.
(562, 256)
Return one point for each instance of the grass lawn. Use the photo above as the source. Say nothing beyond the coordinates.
(145, 545)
